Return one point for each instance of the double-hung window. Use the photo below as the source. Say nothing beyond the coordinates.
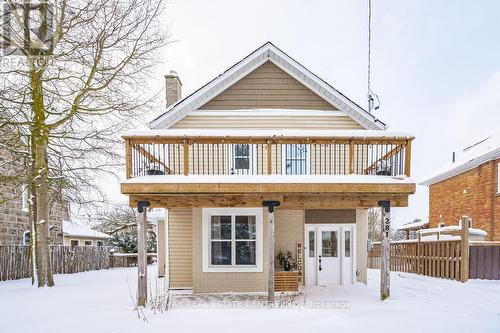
(295, 159)
(241, 159)
(232, 239)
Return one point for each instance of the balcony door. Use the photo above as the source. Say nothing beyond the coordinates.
(295, 159)
(242, 159)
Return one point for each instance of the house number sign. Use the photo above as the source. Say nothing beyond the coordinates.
(300, 260)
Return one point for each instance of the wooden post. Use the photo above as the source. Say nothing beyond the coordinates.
(408, 158)
(351, 157)
(186, 158)
(142, 269)
(128, 159)
(464, 255)
(385, 255)
(270, 281)
(270, 158)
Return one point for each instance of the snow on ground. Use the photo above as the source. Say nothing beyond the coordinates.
(100, 301)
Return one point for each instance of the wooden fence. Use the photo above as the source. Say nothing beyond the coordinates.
(15, 260)
(485, 260)
(441, 259)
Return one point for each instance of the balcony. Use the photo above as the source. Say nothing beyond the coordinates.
(253, 153)
(313, 169)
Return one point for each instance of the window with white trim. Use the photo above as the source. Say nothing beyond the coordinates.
(232, 239)
(88, 243)
(242, 159)
(26, 237)
(295, 158)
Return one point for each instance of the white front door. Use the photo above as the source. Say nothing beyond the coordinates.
(329, 258)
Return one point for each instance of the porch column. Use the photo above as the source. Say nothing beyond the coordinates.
(142, 269)
(385, 255)
(270, 282)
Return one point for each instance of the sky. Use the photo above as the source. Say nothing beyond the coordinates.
(435, 64)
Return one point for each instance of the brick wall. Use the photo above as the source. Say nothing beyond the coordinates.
(472, 193)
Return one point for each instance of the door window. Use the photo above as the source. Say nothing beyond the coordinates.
(295, 159)
(347, 244)
(329, 243)
(312, 249)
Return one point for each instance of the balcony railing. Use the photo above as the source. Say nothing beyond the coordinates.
(273, 155)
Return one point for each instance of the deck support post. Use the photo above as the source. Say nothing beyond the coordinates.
(142, 269)
(385, 255)
(270, 282)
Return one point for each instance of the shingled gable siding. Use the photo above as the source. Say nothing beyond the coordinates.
(269, 87)
(472, 193)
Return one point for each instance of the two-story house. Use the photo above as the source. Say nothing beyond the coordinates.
(470, 185)
(266, 129)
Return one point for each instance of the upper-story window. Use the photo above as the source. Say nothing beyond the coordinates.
(25, 198)
(241, 159)
(295, 159)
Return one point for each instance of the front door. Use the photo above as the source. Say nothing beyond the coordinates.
(329, 258)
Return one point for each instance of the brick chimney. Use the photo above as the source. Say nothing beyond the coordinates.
(173, 88)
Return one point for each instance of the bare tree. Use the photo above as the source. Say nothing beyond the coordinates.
(82, 72)
(374, 223)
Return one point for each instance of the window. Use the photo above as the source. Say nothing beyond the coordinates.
(88, 243)
(347, 244)
(311, 244)
(242, 159)
(25, 196)
(74, 242)
(295, 159)
(232, 239)
(26, 238)
(100, 243)
(498, 178)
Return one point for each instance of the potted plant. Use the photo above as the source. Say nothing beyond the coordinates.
(383, 168)
(286, 260)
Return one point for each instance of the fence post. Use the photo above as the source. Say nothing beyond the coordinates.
(464, 256)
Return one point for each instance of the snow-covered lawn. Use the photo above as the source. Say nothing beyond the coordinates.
(100, 302)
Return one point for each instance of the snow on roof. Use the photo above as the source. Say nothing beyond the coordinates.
(181, 132)
(75, 230)
(267, 52)
(473, 156)
(269, 179)
(414, 225)
(472, 231)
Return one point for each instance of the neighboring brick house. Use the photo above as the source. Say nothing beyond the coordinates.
(469, 186)
(14, 215)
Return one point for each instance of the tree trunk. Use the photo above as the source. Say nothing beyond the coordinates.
(41, 181)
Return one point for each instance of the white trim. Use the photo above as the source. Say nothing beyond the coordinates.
(87, 240)
(76, 240)
(267, 52)
(259, 246)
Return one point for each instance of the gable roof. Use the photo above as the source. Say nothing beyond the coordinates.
(267, 52)
(472, 157)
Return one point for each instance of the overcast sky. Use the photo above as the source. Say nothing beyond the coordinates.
(435, 64)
